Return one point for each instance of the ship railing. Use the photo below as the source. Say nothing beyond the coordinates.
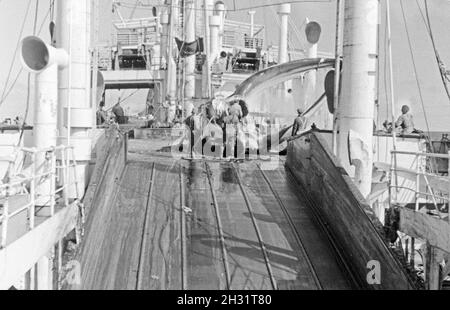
(106, 57)
(436, 191)
(59, 162)
(417, 228)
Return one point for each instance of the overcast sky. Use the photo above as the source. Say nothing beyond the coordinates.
(437, 106)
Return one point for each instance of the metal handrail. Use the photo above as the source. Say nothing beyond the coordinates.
(420, 193)
(68, 162)
(419, 172)
(431, 155)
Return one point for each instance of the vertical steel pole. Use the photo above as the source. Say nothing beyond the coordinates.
(391, 74)
(448, 177)
(189, 62)
(52, 183)
(337, 83)
(357, 104)
(5, 218)
(32, 209)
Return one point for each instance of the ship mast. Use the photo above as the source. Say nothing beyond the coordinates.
(189, 62)
(171, 65)
(357, 104)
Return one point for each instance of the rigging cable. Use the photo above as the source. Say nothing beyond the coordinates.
(27, 110)
(11, 88)
(416, 76)
(442, 69)
(150, 7)
(134, 9)
(15, 51)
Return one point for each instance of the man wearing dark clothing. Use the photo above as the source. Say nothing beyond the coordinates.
(119, 113)
(299, 123)
(101, 114)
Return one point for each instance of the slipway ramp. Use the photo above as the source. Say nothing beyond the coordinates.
(158, 223)
(154, 222)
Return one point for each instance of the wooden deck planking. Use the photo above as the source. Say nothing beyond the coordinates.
(287, 260)
(112, 261)
(204, 256)
(315, 242)
(162, 270)
(112, 247)
(248, 270)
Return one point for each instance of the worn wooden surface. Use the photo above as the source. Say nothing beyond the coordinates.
(350, 221)
(110, 163)
(117, 230)
(425, 227)
(182, 195)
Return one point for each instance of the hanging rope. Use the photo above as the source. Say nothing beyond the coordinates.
(19, 73)
(442, 69)
(15, 52)
(27, 109)
(416, 75)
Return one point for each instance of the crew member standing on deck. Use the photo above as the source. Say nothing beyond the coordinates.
(231, 131)
(119, 113)
(299, 123)
(235, 111)
(101, 114)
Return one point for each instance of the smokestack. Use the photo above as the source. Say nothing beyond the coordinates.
(358, 91)
(73, 35)
(44, 60)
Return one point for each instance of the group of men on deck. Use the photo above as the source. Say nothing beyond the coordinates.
(234, 115)
(117, 114)
(403, 126)
(216, 123)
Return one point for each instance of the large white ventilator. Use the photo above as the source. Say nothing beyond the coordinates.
(313, 32)
(43, 61)
(357, 103)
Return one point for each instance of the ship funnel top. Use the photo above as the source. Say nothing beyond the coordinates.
(37, 55)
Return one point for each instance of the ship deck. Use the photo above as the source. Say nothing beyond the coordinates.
(178, 224)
